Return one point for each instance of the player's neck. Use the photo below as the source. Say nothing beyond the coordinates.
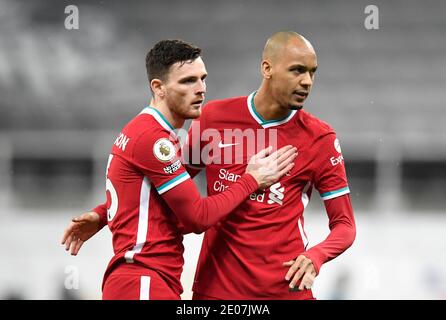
(267, 107)
(171, 117)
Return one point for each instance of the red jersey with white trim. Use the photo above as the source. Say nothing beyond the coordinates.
(151, 200)
(242, 256)
(143, 164)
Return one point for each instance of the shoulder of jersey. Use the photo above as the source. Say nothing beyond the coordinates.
(145, 124)
(317, 126)
(222, 106)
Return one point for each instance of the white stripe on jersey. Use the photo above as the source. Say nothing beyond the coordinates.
(143, 220)
(173, 182)
(110, 158)
(334, 194)
(158, 117)
(144, 290)
(302, 234)
(305, 201)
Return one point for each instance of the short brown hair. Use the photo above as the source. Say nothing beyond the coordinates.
(167, 52)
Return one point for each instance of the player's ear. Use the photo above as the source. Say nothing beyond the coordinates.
(266, 69)
(158, 88)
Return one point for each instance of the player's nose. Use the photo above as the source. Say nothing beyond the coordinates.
(307, 80)
(201, 87)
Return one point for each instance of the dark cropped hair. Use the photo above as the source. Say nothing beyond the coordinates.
(167, 52)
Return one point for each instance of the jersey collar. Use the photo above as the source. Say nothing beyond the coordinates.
(266, 123)
(158, 117)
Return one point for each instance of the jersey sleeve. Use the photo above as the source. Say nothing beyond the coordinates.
(342, 232)
(330, 178)
(198, 214)
(159, 158)
(101, 210)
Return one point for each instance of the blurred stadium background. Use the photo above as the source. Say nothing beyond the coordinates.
(65, 94)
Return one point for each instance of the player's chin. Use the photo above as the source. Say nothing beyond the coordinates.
(296, 105)
(194, 112)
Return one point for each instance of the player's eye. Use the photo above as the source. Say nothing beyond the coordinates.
(299, 69)
(189, 80)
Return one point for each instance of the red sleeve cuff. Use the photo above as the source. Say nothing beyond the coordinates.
(315, 258)
(101, 210)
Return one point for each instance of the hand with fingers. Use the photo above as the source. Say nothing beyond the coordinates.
(267, 168)
(301, 268)
(80, 230)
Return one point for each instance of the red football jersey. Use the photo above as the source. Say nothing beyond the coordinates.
(241, 257)
(144, 228)
(151, 200)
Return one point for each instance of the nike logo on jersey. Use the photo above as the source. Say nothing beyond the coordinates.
(224, 145)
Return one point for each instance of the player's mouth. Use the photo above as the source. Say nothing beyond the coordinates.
(300, 94)
(197, 103)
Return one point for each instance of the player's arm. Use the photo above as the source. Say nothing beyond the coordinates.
(198, 214)
(331, 181)
(194, 213)
(342, 232)
(341, 237)
(83, 227)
